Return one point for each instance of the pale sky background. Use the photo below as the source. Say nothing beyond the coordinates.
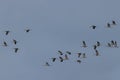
(58, 25)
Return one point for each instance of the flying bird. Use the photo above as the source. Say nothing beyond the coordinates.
(47, 64)
(66, 57)
(61, 59)
(7, 32)
(98, 43)
(27, 30)
(16, 50)
(113, 22)
(115, 44)
(93, 26)
(97, 53)
(53, 59)
(108, 25)
(14, 41)
(68, 52)
(94, 46)
(60, 52)
(79, 61)
(84, 55)
(5, 44)
(84, 44)
(79, 54)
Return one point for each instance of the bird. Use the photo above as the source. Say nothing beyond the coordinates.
(109, 45)
(113, 22)
(112, 42)
(79, 61)
(16, 50)
(27, 30)
(68, 52)
(97, 53)
(115, 44)
(60, 52)
(7, 32)
(79, 54)
(47, 64)
(98, 43)
(66, 57)
(93, 26)
(84, 55)
(94, 46)
(61, 59)
(108, 25)
(84, 44)
(53, 59)
(14, 41)
(5, 43)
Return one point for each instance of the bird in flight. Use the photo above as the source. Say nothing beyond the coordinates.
(14, 41)
(79, 54)
(27, 30)
(68, 52)
(5, 43)
(79, 61)
(60, 52)
(16, 50)
(53, 59)
(113, 22)
(93, 26)
(7, 32)
(47, 64)
(84, 44)
(96, 53)
(61, 59)
(108, 25)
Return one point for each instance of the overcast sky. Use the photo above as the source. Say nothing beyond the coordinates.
(58, 25)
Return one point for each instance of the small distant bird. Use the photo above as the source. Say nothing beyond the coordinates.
(115, 44)
(60, 52)
(79, 54)
(61, 59)
(94, 46)
(27, 30)
(53, 59)
(16, 50)
(97, 53)
(112, 42)
(5, 44)
(7, 32)
(79, 61)
(68, 52)
(98, 43)
(14, 41)
(93, 26)
(113, 22)
(66, 57)
(84, 44)
(108, 25)
(84, 55)
(47, 64)
(109, 45)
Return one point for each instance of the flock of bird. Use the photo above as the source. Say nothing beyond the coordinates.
(5, 44)
(65, 56)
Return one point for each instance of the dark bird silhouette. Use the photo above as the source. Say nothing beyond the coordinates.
(112, 42)
(14, 41)
(93, 26)
(68, 52)
(27, 30)
(5, 44)
(7, 32)
(16, 50)
(94, 46)
(84, 55)
(66, 57)
(60, 52)
(47, 64)
(79, 61)
(108, 25)
(109, 45)
(113, 22)
(84, 44)
(79, 54)
(53, 59)
(61, 59)
(115, 44)
(98, 43)
(97, 53)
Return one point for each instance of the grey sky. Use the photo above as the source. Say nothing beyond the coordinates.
(58, 25)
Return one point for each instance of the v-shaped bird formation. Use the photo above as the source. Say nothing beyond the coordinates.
(63, 56)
